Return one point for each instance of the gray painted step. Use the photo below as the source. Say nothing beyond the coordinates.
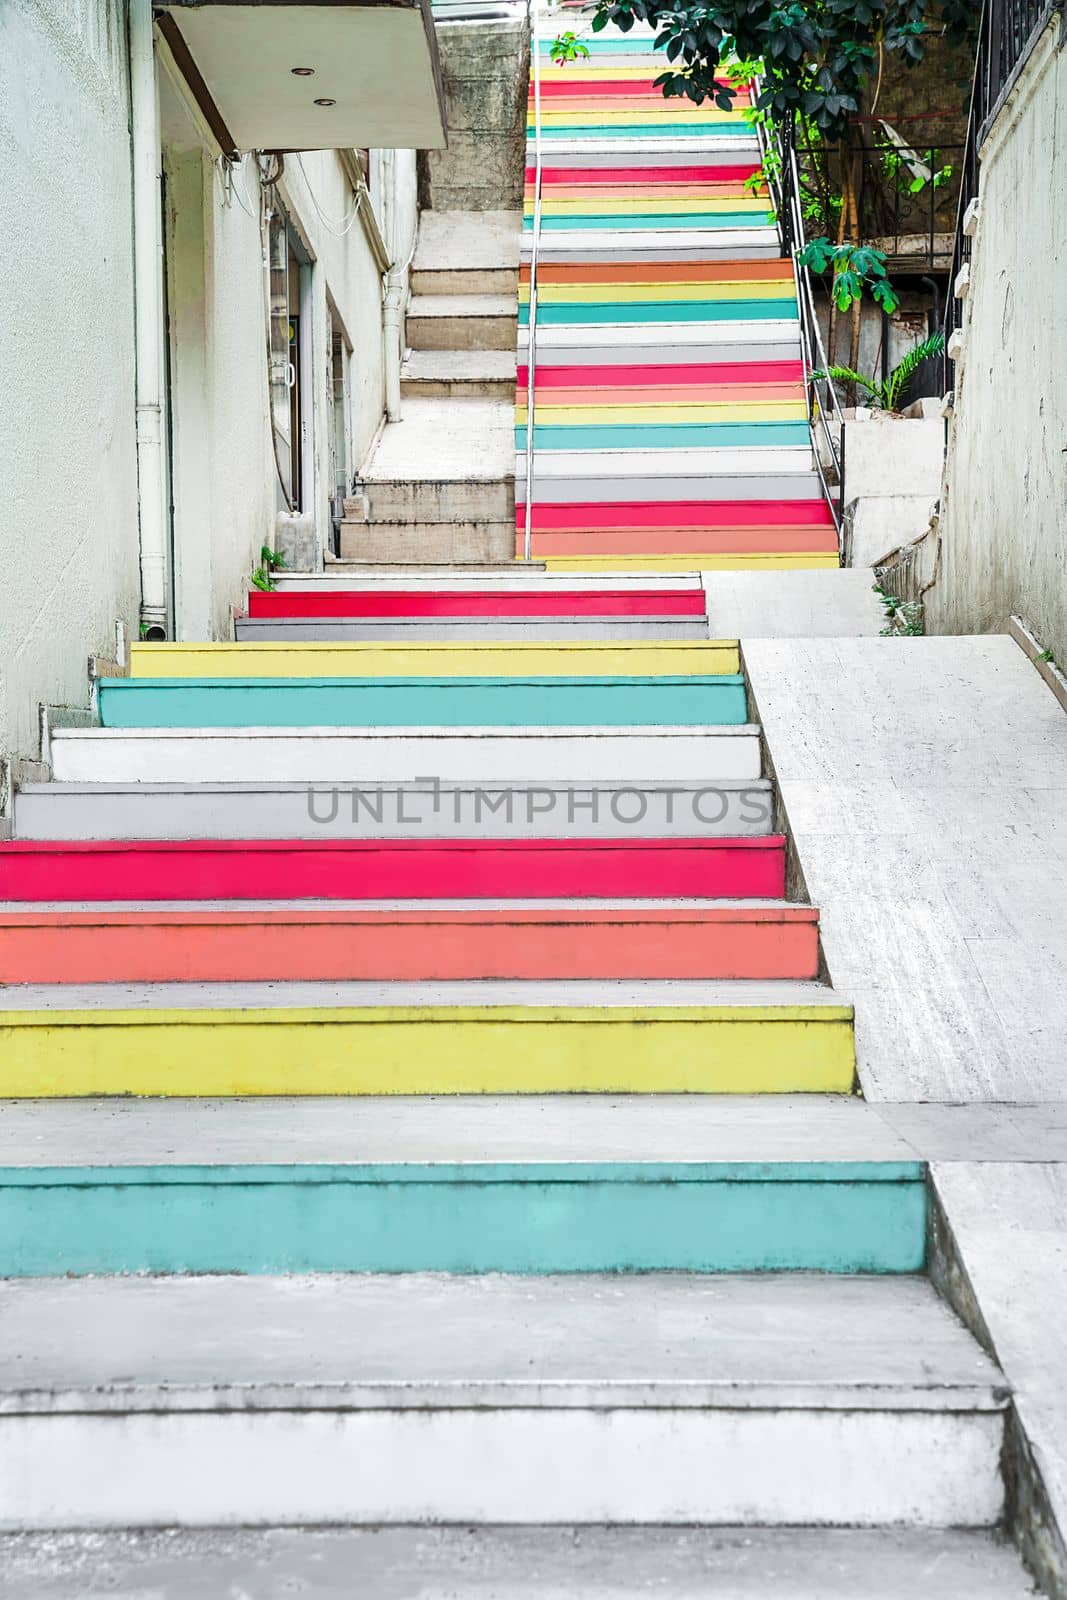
(539, 1563)
(648, 1398)
(402, 630)
(727, 808)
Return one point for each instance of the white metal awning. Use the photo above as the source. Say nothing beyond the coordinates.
(310, 74)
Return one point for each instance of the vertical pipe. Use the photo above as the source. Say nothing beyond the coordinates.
(148, 320)
(531, 329)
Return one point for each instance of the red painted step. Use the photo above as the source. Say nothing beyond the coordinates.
(476, 603)
(420, 869)
(260, 943)
(700, 515)
(699, 374)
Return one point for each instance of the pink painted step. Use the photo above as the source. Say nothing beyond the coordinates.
(477, 603)
(421, 869)
(150, 945)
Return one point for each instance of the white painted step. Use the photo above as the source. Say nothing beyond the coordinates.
(408, 1399)
(526, 576)
(634, 343)
(534, 808)
(532, 1563)
(332, 755)
(655, 244)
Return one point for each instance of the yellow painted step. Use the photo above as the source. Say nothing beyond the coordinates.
(724, 1049)
(489, 659)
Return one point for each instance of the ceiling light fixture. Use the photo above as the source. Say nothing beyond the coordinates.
(302, 72)
(325, 102)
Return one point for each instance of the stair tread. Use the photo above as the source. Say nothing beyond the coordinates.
(456, 364)
(484, 1128)
(540, 1563)
(411, 1340)
(463, 305)
(432, 442)
(754, 998)
(582, 732)
(451, 241)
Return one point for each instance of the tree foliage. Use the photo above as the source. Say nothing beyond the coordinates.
(818, 56)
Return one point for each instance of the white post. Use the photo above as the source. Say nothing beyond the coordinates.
(393, 298)
(148, 312)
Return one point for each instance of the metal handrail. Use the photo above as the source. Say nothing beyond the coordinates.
(531, 326)
(823, 406)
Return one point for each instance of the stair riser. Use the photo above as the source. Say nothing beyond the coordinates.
(503, 703)
(585, 1218)
(322, 630)
(462, 332)
(513, 1466)
(424, 1051)
(376, 811)
(223, 951)
(435, 501)
(464, 280)
(407, 870)
(471, 603)
(458, 388)
(388, 542)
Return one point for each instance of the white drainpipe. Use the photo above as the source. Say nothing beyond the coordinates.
(148, 312)
(391, 332)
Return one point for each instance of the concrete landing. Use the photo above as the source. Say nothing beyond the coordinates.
(513, 1564)
(925, 783)
(792, 604)
(446, 440)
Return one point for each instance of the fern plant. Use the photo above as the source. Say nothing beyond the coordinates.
(885, 395)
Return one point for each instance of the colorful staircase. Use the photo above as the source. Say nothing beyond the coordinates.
(423, 1103)
(670, 419)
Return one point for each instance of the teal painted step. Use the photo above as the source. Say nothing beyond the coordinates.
(717, 700)
(633, 220)
(663, 311)
(665, 436)
(730, 1217)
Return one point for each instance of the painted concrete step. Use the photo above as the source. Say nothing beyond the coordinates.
(639, 345)
(336, 869)
(451, 630)
(277, 1213)
(485, 541)
(504, 578)
(579, 939)
(531, 808)
(495, 1400)
(484, 658)
(450, 374)
(545, 1563)
(480, 755)
(462, 321)
(484, 1036)
(495, 604)
(519, 701)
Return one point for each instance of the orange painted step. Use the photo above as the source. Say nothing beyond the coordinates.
(156, 945)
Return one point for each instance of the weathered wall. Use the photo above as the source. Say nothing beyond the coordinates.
(1004, 519)
(68, 523)
(485, 66)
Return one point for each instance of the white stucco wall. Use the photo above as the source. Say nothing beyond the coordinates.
(1004, 520)
(69, 524)
(68, 517)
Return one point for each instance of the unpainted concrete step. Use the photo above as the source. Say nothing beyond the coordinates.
(302, 756)
(467, 252)
(462, 321)
(454, 374)
(582, 939)
(413, 1399)
(376, 808)
(484, 542)
(497, 1563)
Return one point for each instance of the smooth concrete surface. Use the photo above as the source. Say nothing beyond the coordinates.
(468, 241)
(924, 781)
(787, 604)
(437, 441)
(494, 1399)
(890, 455)
(513, 1564)
(1009, 1223)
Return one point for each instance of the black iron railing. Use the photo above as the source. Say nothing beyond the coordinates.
(1009, 30)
